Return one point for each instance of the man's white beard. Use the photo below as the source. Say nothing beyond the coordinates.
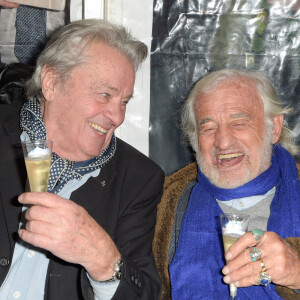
(226, 182)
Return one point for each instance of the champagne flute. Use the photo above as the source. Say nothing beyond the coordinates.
(233, 227)
(37, 157)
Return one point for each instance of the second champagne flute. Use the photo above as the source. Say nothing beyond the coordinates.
(233, 227)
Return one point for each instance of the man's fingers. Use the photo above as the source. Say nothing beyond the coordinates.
(244, 242)
(62, 217)
(247, 281)
(44, 199)
(244, 272)
(43, 228)
(38, 240)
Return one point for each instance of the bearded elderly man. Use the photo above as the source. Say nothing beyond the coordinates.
(235, 124)
(89, 236)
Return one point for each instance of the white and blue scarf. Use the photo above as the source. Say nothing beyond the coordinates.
(62, 170)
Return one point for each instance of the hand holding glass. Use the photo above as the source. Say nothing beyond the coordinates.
(233, 227)
(37, 157)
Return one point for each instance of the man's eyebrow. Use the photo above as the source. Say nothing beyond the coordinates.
(204, 121)
(98, 87)
(239, 115)
(116, 90)
(129, 97)
(110, 87)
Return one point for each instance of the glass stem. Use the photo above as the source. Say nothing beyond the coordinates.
(233, 291)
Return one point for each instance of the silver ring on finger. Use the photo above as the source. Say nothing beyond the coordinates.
(255, 254)
(264, 278)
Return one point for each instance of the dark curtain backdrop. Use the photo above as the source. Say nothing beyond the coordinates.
(192, 38)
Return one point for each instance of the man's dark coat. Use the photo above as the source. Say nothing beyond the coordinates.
(122, 199)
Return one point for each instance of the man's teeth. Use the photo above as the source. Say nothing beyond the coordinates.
(229, 156)
(98, 128)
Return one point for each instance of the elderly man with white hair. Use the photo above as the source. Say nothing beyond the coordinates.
(235, 124)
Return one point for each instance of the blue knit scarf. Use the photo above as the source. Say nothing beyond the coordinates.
(196, 268)
(62, 170)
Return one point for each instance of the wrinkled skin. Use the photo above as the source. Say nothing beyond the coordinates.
(65, 229)
(281, 261)
(232, 141)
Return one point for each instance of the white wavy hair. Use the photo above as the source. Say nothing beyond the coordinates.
(66, 49)
(266, 91)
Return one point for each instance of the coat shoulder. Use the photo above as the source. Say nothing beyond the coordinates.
(130, 156)
(182, 176)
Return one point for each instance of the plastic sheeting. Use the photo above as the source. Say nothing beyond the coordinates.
(193, 38)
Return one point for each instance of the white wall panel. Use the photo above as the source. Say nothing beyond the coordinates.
(137, 17)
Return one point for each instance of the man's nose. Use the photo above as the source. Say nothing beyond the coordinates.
(224, 138)
(116, 112)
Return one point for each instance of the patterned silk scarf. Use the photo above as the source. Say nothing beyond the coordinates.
(195, 271)
(62, 170)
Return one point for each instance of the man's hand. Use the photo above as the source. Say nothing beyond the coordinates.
(69, 232)
(8, 4)
(281, 261)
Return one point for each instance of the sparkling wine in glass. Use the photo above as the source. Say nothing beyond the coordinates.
(233, 227)
(37, 157)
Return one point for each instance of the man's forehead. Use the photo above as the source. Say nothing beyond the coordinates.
(242, 90)
(234, 100)
(99, 49)
(111, 70)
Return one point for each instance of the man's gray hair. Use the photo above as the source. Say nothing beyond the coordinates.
(265, 89)
(66, 49)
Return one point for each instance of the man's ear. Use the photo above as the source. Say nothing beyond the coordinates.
(277, 126)
(48, 82)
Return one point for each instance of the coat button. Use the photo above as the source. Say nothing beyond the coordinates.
(3, 262)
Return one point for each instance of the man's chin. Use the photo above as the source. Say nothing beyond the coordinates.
(228, 180)
(228, 184)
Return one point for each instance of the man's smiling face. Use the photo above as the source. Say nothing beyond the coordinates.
(234, 145)
(82, 113)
